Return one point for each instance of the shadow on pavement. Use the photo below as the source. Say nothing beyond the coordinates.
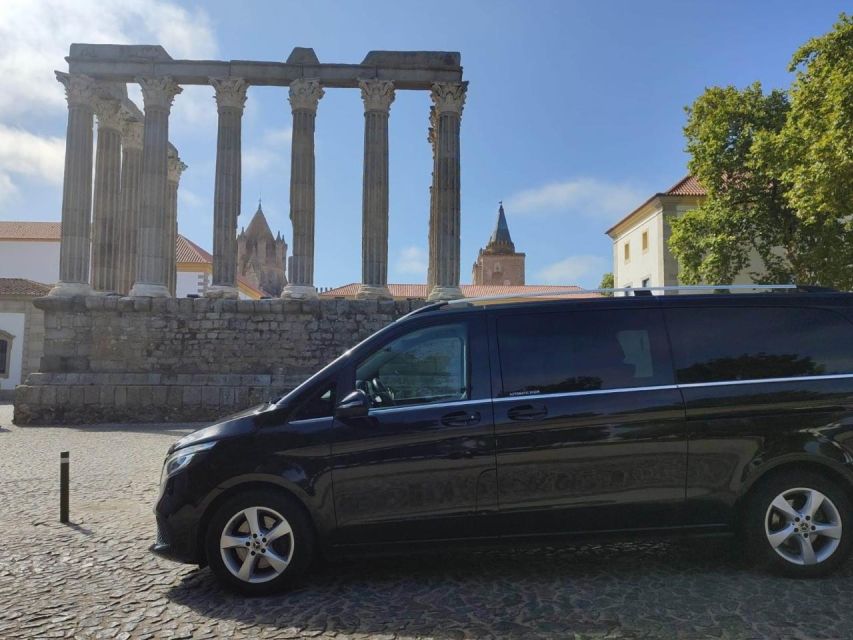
(636, 588)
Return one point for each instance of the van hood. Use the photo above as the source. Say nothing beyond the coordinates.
(237, 424)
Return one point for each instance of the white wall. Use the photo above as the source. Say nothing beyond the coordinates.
(13, 323)
(643, 264)
(30, 259)
(190, 282)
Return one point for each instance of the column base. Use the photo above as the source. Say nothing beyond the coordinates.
(439, 293)
(145, 290)
(373, 292)
(69, 289)
(299, 292)
(222, 291)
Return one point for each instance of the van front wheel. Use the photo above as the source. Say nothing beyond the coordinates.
(259, 542)
(799, 524)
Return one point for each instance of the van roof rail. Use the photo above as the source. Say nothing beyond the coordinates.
(642, 291)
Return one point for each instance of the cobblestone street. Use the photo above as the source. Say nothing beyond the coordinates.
(96, 578)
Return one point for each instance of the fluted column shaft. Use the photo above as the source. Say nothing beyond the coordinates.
(230, 100)
(378, 96)
(173, 178)
(431, 241)
(449, 99)
(105, 209)
(75, 242)
(129, 204)
(304, 97)
(151, 263)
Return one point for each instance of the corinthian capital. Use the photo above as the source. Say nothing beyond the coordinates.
(305, 94)
(158, 92)
(449, 97)
(175, 166)
(108, 112)
(132, 129)
(230, 92)
(377, 94)
(80, 90)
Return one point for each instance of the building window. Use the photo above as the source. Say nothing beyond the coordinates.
(627, 251)
(5, 353)
(645, 241)
(497, 268)
(647, 282)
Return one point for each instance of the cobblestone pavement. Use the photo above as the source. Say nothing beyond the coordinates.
(96, 579)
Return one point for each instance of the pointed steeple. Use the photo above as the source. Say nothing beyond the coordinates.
(500, 239)
(258, 227)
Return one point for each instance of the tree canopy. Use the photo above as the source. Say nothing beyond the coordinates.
(778, 169)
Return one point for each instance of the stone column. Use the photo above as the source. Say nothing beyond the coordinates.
(173, 177)
(449, 99)
(304, 97)
(378, 96)
(431, 233)
(105, 209)
(129, 202)
(230, 100)
(151, 265)
(75, 245)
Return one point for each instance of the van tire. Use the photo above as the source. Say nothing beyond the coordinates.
(786, 534)
(238, 545)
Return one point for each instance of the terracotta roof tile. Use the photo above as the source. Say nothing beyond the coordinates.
(468, 290)
(27, 230)
(687, 186)
(22, 287)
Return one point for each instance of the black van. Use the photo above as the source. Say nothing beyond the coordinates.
(706, 414)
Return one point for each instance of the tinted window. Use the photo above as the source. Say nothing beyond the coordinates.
(427, 365)
(319, 405)
(582, 351)
(748, 343)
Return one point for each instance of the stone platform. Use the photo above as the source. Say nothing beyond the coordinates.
(115, 359)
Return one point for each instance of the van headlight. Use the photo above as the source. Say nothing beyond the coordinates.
(180, 459)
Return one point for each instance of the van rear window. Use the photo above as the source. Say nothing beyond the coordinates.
(582, 351)
(748, 343)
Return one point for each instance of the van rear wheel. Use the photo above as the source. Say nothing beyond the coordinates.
(799, 524)
(259, 542)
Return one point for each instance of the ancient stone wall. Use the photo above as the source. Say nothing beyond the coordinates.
(113, 359)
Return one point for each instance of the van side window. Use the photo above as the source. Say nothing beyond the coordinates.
(748, 343)
(582, 351)
(319, 405)
(424, 366)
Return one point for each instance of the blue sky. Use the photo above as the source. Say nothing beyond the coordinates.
(573, 118)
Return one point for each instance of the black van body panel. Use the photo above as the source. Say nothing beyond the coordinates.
(670, 456)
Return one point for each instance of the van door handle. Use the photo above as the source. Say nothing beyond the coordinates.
(461, 418)
(527, 412)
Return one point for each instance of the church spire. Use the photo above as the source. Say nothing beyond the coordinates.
(500, 238)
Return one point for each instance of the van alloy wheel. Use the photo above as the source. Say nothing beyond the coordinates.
(803, 526)
(257, 544)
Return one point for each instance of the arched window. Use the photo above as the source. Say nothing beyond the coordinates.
(5, 353)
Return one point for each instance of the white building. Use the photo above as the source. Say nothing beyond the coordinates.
(641, 255)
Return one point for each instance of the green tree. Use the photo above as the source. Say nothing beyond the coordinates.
(606, 283)
(778, 169)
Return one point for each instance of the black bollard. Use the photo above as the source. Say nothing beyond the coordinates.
(64, 462)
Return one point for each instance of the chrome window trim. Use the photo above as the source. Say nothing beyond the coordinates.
(593, 392)
(427, 405)
(722, 383)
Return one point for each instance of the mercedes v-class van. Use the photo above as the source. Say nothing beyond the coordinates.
(475, 422)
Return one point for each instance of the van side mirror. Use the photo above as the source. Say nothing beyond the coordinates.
(354, 405)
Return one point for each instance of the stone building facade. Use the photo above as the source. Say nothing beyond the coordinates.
(21, 331)
(261, 257)
(498, 263)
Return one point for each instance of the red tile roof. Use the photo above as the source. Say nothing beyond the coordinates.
(188, 251)
(468, 290)
(27, 230)
(22, 287)
(687, 186)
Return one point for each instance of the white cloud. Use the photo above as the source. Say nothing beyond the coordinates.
(586, 196)
(25, 154)
(573, 269)
(36, 35)
(412, 261)
(278, 137)
(190, 198)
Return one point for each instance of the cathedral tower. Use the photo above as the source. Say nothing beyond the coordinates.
(498, 263)
(260, 256)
